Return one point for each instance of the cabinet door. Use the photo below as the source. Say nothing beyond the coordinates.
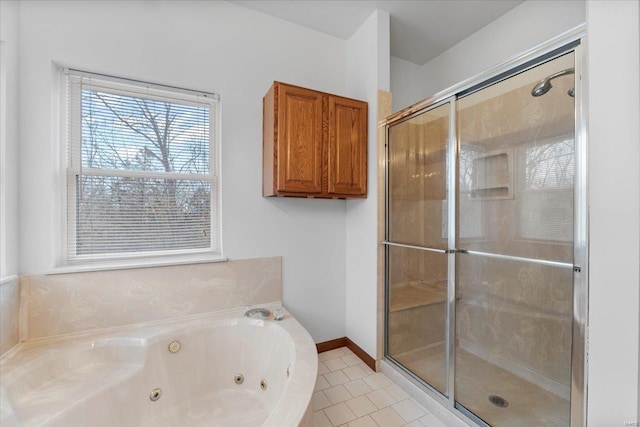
(347, 162)
(299, 140)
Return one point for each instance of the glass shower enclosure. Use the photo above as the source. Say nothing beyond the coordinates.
(484, 220)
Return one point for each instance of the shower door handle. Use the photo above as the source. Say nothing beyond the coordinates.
(548, 263)
(420, 248)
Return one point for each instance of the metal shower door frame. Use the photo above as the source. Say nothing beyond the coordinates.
(571, 41)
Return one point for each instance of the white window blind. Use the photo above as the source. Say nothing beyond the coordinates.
(469, 208)
(546, 209)
(142, 169)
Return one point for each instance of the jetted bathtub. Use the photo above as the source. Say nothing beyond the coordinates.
(217, 370)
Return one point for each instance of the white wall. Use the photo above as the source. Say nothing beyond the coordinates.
(520, 29)
(9, 138)
(208, 46)
(407, 83)
(613, 64)
(531, 23)
(368, 56)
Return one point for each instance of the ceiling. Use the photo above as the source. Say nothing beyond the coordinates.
(420, 29)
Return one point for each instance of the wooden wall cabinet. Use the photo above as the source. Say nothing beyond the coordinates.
(314, 144)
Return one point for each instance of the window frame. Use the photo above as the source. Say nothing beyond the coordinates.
(71, 148)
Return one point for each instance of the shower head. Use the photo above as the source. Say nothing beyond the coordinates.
(544, 85)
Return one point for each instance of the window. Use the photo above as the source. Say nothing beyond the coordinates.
(142, 170)
(546, 211)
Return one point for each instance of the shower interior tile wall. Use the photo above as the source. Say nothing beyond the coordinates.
(526, 308)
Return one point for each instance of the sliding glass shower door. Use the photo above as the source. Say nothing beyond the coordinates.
(417, 258)
(514, 270)
(480, 236)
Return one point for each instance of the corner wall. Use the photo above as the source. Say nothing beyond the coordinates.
(407, 83)
(9, 43)
(368, 54)
(9, 243)
(613, 66)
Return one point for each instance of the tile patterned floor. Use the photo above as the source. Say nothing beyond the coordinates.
(349, 394)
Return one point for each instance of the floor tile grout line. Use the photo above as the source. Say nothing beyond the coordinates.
(384, 379)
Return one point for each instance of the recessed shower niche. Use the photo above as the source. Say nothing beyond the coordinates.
(484, 242)
(492, 175)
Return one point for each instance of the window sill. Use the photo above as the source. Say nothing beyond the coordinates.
(162, 261)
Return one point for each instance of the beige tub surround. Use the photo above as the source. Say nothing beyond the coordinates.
(79, 302)
(9, 313)
(135, 346)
